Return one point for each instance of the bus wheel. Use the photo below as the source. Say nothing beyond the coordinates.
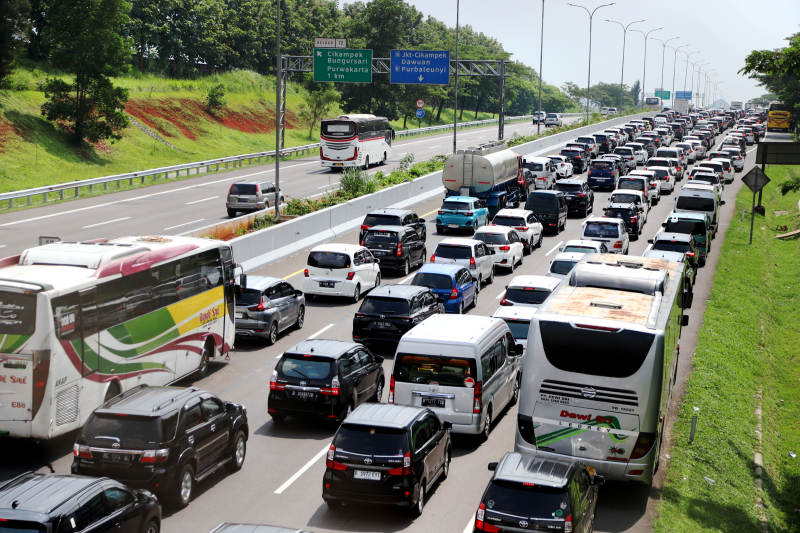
(202, 370)
(366, 163)
(383, 161)
(112, 392)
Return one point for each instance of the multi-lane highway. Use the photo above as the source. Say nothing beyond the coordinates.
(181, 206)
(281, 479)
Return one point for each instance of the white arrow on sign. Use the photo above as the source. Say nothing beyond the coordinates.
(420, 77)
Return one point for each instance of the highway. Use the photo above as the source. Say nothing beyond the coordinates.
(176, 207)
(281, 479)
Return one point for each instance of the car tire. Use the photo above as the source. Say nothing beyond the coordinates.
(272, 338)
(487, 427)
(526, 249)
(424, 257)
(446, 468)
(231, 214)
(184, 489)
(491, 276)
(515, 394)
(377, 281)
(376, 398)
(406, 268)
(478, 285)
(152, 527)
(205, 358)
(357, 293)
(474, 301)
(440, 230)
(461, 307)
(416, 510)
(347, 411)
(541, 238)
(511, 265)
(238, 453)
(301, 317)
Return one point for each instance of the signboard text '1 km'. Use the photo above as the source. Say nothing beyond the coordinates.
(420, 67)
(342, 65)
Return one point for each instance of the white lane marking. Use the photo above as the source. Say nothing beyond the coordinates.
(185, 224)
(203, 200)
(404, 153)
(500, 295)
(320, 332)
(554, 248)
(470, 527)
(106, 222)
(434, 146)
(302, 470)
(408, 278)
(334, 184)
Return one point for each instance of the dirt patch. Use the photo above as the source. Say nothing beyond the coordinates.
(176, 112)
(7, 133)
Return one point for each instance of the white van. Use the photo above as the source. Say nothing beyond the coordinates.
(345, 270)
(701, 198)
(518, 319)
(466, 369)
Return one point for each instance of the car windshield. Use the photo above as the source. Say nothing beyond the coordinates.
(625, 198)
(248, 297)
(331, 260)
(382, 237)
(695, 203)
(434, 370)
(456, 206)
(134, 432)
(568, 187)
(450, 251)
(562, 267)
(384, 306)
(243, 188)
(689, 227)
(526, 295)
(672, 246)
(382, 220)
(509, 221)
(304, 366)
(519, 328)
(601, 229)
(490, 238)
(371, 440)
(531, 500)
(435, 281)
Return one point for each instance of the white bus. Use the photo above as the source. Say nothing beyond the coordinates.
(600, 365)
(81, 322)
(355, 141)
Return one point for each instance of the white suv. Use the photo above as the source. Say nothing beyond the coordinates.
(524, 222)
(504, 242)
(469, 253)
(553, 119)
(345, 270)
(611, 231)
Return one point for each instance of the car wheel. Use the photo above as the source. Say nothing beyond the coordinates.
(446, 469)
(347, 412)
(202, 370)
(272, 338)
(475, 300)
(417, 509)
(526, 249)
(152, 527)
(357, 293)
(278, 419)
(301, 317)
(541, 238)
(461, 306)
(378, 280)
(376, 398)
(515, 394)
(424, 257)
(184, 488)
(406, 268)
(239, 452)
(478, 286)
(231, 214)
(512, 265)
(487, 427)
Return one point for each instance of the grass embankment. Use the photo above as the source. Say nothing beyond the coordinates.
(756, 286)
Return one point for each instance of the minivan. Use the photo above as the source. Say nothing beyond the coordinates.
(611, 231)
(464, 368)
(602, 173)
(550, 208)
(697, 224)
(699, 197)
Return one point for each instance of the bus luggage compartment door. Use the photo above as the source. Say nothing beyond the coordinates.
(16, 387)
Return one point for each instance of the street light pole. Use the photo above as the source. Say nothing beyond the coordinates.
(589, 77)
(691, 89)
(541, 57)
(455, 105)
(674, 60)
(644, 72)
(699, 72)
(278, 92)
(663, 50)
(686, 70)
(622, 73)
(706, 100)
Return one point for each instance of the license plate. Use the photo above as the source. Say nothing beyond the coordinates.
(381, 325)
(377, 252)
(338, 164)
(124, 458)
(367, 474)
(326, 284)
(433, 402)
(239, 315)
(244, 199)
(452, 225)
(300, 395)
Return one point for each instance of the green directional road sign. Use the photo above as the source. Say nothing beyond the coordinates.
(663, 94)
(342, 65)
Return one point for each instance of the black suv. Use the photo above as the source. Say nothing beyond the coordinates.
(578, 157)
(677, 129)
(389, 454)
(630, 214)
(605, 141)
(164, 439)
(648, 144)
(397, 247)
(324, 379)
(580, 197)
(394, 217)
(391, 310)
(51, 502)
(544, 493)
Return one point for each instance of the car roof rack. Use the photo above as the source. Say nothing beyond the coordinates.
(186, 392)
(10, 481)
(118, 398)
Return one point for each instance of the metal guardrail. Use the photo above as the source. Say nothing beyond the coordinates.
(186, 169)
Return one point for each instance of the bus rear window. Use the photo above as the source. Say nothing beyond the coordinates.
(434, 370)
(17, 313)
(338, 129)
(594, 352)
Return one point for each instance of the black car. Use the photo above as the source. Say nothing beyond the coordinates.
(619, 163)
(324, 379)
(580, 197)
(229, 527)
(389, 454)
(677, 130)
(545, 493)
(579, 159)
(394, 217)
(630, 214)
(63, 503)
(164, 439)
(391, 310)
(397, 247)
(648, 144)
(605, 141)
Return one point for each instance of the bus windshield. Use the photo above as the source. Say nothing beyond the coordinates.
(17, 313)
(778, 106)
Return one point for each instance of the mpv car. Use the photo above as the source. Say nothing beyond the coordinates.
(469, 253)
(543, 493)
(325, 379)
(394, 217)
(610, 231)
(518, 320)
(602, 173)
(628, 196)
(550, 208)
(528, 228)
(628, 213)
(396, 247)
(562, 264)
(461, 212)
(579, 246)
(390, 310)
(505, 243)
(250, 196)
(266, 306)
(553, 119)
(578, 157)
(164, 439)
(61, 503)
(529, 291)
(676, 242)
(340, 270)
(543, 172)
(388, 454)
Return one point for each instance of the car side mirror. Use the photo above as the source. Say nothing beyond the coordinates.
(447, 425)
(422, 220)
(493, 252)
(685, 320)
(722, 202)
(598, 480)
(439, 300)
(663, 224)
(492, 466)
(298, 292)
(650, 241)
(519, 349)
(142, 496)
(230, 407)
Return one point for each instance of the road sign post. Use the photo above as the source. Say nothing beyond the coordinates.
(342, 65)
(420, 67)
(755, 181)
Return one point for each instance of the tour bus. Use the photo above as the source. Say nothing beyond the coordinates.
(779, 116)
(355, 141)
(82, 322)
(600, 365)
(652, 102)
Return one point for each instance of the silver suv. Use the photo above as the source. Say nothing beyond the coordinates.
(249, 196)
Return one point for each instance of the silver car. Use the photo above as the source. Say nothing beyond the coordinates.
(249, 196)
(266, 306)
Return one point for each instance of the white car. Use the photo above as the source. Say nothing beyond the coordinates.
(539, 117)
(639, 152)
(518, 319)
(562, 165)
(666, 135)
(529, 291)
(627, 154)
(629, 196)
(553, 119)
(578, 246)
(543, 172)
(504, 242)
(528, 228)
(612, 111)
(688, 149)
(345, 270)
(727, 167)
(610, 231)
(654, 190)
(469, 253)
(699, 149)
(562, 264)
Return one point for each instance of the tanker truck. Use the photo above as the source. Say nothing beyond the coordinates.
(490, 172)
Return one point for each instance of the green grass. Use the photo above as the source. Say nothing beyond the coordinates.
(755, 286)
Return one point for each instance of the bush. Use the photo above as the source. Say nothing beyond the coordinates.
(215, 99)
(356, 182)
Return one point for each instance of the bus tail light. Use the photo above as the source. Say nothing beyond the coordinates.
(355, 156)
(525, 429)
(391, 391)
(643, 445)
(79, 450)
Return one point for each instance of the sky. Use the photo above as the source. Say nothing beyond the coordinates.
(723, 32)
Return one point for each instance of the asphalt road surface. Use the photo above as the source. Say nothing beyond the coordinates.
(281, 479)
(181, 206)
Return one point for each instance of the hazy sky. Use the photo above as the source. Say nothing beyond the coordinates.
(722, 31)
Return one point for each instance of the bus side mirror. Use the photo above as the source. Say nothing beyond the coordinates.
(685, 320)
(393, 133)
(243, 281)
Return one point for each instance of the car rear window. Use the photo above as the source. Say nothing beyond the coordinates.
(562, 267)
(552, 115)
(601, 165)
(243, 188)
(624, 214)
(534, 166)
(382, 220)
(570, 153)
(451, 251)
(371, 440)
(601, 229)
(705, 178)
(304, 366)
(672, 246)
(540, 203)
(134, 432)
(523, 295)
(435, 281)
(17, 313)
(580, 250)
(509, 221)
(519, 328)
(586, 140)
(634, 185)
(568, 187)
(625, 198)
(380, 237)
(248, 297)
(602, 353)
(331, 260)
(535, 501)
(623, 151)
(384, 306)
(491, 238)
(434, 370)
(456, 206)
(695, 203)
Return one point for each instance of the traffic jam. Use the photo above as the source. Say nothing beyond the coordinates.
(446, 338)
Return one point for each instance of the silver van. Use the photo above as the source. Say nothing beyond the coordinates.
(249, 196)
(464, 368)
(699, 197)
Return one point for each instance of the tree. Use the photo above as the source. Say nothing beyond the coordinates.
(13, 29)
(765, 99)
(634, 92)
(320, 101)
(778, 70)
(85, 40)
(37, 49)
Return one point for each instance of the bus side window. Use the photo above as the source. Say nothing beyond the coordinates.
(138, 294)
(164, 284)
(210, 269)
(111, 303)
(66, 313)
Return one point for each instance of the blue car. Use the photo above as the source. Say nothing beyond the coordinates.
(452, 283)
(462, 212)
(602, 173)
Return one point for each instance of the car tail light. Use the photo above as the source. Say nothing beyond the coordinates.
(333, 390)
(259, 307)
(634, 220)
(505, 302)
(643, 445)
(618, 244)
(689, 254)
(433, 258)
(480, 514)
(230, 191)
(350, 275)
(468, 213)
(305, 273)
(391, 391)
(504, 248)
(399, 249)
(580, 194)
(442, 212)
(568, 524)
(154, 456)
(78, 450)
(635, 472)
(330, 463)
(522, 228)
(454, 293)
(273, 382)
(472, 265)
(405, 470)
(666, 178)
(478, 406)
(589, 173)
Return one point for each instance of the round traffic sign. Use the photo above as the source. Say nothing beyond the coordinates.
(420, 113)
(420, 103)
